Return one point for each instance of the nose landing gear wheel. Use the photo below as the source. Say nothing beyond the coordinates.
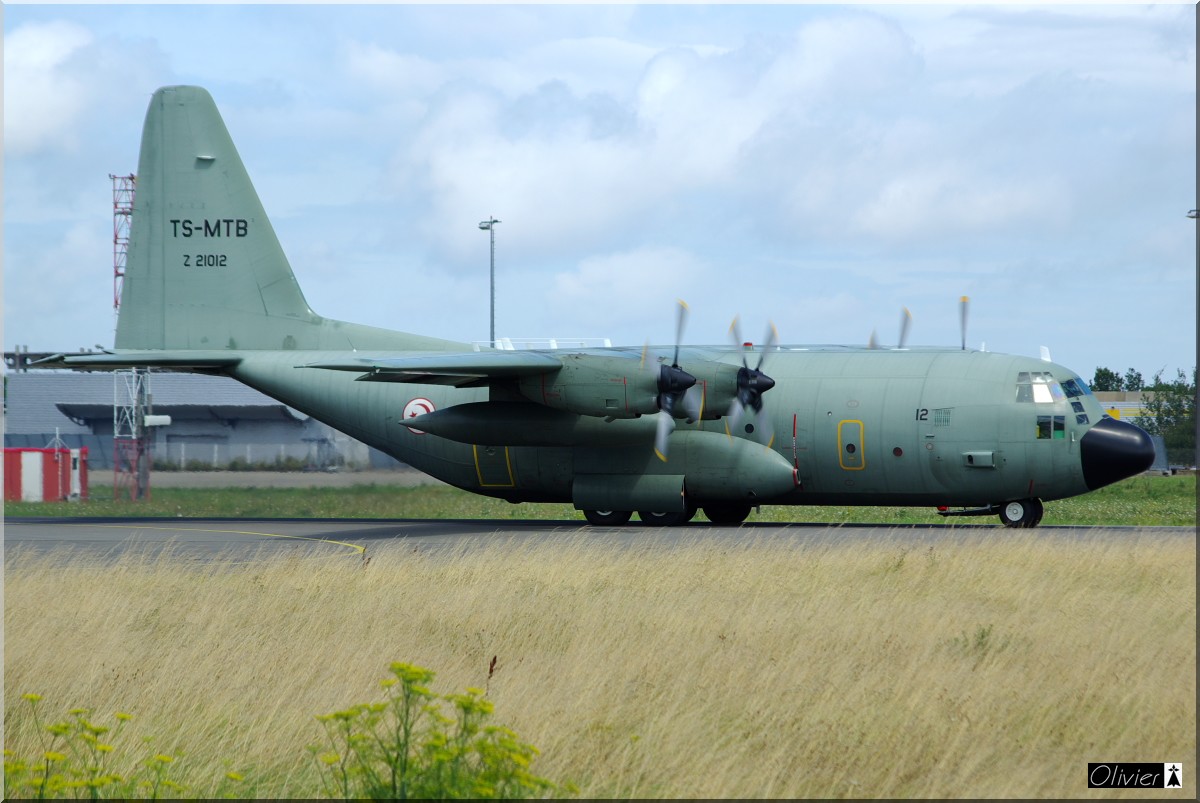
(607, 518)
(1022, 513)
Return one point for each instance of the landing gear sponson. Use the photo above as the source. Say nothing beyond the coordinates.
(717, 514)
(1020, 513)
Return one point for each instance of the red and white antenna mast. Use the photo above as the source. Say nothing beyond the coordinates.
(122, 189)
(131, 387)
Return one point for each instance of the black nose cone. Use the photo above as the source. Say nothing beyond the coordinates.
(1113, 450)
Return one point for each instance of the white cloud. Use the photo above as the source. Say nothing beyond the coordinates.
(62, 290)
(615, 291)
(45, 94)
(399, 73)
(949, 199)
(555, 186)
(588, 64)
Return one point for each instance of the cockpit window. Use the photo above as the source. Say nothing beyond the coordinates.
(1039, 387)
(1075, 387)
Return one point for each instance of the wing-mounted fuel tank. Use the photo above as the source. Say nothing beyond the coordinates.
(502, 423)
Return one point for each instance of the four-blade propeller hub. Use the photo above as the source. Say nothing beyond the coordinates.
(752, 384)
(673, 382)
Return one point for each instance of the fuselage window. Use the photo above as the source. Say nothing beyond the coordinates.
(1051, 427)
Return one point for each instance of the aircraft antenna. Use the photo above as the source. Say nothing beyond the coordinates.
(962, 319)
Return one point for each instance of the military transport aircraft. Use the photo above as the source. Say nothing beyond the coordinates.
(660, 431)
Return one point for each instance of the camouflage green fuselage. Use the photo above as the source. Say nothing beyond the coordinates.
(918, 427)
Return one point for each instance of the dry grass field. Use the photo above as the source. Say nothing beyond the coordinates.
(992, 666)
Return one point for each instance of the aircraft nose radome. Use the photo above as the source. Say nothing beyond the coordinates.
(1113, 450)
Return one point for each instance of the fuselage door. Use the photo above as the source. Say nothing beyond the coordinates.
(493, 466)
(850, 438)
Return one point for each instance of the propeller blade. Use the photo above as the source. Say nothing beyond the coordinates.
(693, 402)
(662, 434)
(872, 343)
(680, 319)
(772, 339)
(733, 416)
(962, 318)
(905, 324)
(764, 433)
(735, 331)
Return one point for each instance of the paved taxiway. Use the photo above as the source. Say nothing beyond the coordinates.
(207, 539)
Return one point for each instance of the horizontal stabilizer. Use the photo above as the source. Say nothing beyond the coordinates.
(462, 369)
(113, 361)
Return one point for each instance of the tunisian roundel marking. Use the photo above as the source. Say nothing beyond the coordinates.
(416, 407)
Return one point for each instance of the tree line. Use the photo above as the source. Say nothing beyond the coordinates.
(1170, 406)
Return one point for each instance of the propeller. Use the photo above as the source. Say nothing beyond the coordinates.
(673, 385)
(905, 324)
(963, 303)
(752, 383)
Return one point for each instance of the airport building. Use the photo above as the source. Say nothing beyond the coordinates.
(216, 422)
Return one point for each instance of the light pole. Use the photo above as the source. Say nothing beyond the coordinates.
(489, 226)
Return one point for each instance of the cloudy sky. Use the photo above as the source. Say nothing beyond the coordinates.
(816, 166)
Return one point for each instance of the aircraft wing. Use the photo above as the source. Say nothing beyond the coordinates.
(112, 361)
(462, 369)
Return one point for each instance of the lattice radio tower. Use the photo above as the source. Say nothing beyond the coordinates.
(131, 388)
(131, 437)
(122, 190)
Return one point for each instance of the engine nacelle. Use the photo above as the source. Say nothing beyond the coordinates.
(617, 386)
(714, 391)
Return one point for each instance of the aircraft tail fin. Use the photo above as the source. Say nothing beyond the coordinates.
(205, 270)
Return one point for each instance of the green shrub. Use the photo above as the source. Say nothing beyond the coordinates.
(403, 747)
(406, 747)
(80, 759)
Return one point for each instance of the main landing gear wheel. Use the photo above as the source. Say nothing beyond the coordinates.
(727, 514)
(607, 518)
(1022, 513)
(673, 519)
